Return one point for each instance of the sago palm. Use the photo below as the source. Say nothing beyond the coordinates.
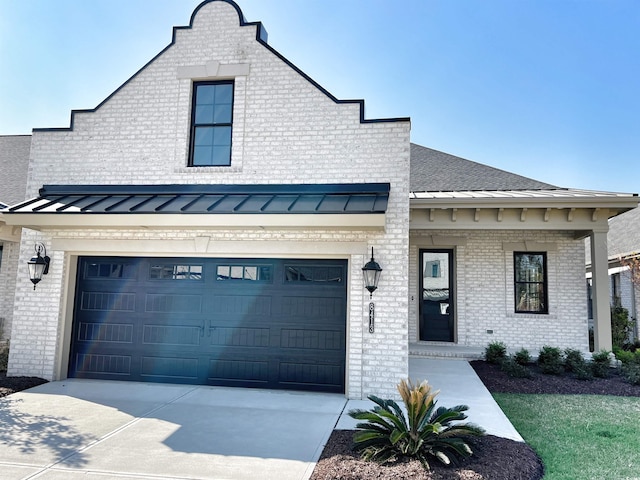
(426, 432)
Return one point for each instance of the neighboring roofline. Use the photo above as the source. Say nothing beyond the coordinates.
(261, 37)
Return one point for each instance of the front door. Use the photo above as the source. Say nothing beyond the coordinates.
(436, 303)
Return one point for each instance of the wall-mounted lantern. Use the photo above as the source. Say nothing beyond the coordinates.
(371, 272)
(38, 265)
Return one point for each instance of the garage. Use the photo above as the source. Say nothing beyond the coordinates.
(265, 323)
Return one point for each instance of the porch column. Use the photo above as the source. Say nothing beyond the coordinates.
(600, 292)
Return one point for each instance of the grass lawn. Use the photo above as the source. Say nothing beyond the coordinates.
(579, 436)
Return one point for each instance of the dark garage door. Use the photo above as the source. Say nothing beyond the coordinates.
(239, 322)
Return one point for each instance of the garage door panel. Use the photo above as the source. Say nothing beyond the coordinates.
(109, 365)
(234, 322)
(241, 304)
(239, 372)
(171, 335)
(169, 368)
(239, 337)
(313, 308)
(105, 332)
(326, 340)
(108, 301)
(172, 303)
(311, 376)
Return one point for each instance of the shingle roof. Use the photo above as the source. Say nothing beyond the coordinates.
(435, 171)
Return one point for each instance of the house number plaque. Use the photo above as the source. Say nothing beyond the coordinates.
(372, 317)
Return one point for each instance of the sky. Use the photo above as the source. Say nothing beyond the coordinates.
(548, 89)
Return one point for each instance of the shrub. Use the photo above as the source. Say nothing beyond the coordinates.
(583, 373)
(574, 360)
(425, 433)
(513, 368)
(522, 357)
(624, 356)
(631, 373)
(621, 326)
(495, 352)
(600, 364)
(550, 360)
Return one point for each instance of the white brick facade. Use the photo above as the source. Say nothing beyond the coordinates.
(288, 130)
(484, 290)
(285, 130)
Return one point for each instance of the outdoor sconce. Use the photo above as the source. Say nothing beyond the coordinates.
(38, 265)
(371, 272)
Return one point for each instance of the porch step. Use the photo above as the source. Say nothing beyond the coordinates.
(445, 350)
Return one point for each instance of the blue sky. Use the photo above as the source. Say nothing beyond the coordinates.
(549, 89)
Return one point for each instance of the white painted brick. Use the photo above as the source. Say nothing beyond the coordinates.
(285, 131)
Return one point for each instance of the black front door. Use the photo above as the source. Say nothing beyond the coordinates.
(436, 302)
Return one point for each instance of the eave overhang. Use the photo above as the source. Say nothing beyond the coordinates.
(562, 209)
(296, 206)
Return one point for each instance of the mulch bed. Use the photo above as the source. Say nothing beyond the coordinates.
(9, 385)
(498, 381)
(494, 458)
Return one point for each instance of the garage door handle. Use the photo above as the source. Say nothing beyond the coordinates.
(202, 329)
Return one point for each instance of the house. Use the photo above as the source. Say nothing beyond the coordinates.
(209, 221)
(14, 161)
(623, 240)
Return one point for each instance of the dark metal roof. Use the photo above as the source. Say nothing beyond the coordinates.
(209, 199)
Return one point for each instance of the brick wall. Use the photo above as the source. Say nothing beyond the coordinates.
(285, 130)
(485, 292)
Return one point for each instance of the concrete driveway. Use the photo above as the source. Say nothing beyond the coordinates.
(89, 429)
(79, 429)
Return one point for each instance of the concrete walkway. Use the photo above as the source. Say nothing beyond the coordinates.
(85, 429)
(458, 385)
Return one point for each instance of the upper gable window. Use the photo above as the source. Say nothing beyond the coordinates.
(211, 122)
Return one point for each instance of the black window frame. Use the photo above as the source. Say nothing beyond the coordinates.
(195, 125)
(544, 282)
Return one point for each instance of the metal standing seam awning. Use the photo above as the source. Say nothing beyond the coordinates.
(348, 205)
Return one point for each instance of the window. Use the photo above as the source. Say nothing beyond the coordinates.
(530, 276)
(255, 273)
(315, 274)
(109, 270)
(175, 272)
(211, 120)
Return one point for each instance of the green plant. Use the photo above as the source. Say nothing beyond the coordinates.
(573, 360)
(425, 433)
(625, 356)
(513, 368)
(522, 357)
(621, 326)
(495, 352)
(550, 360)
(600, 366)
(631, 373)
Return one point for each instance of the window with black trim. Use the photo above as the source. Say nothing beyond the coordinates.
(254, 273)
(530, 278)
(211, 122)
(312, 273)
(175, 272)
